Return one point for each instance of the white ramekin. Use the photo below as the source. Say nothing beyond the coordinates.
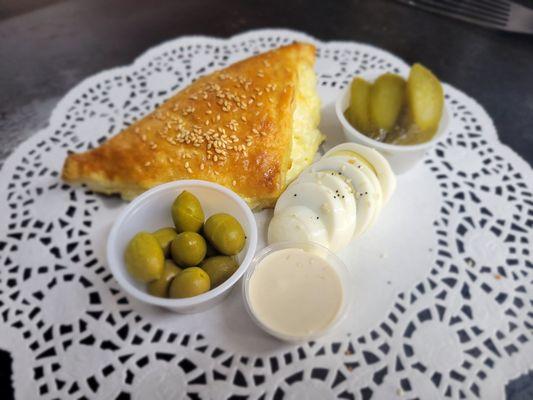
(401, 158)
(321, 251)
(151, 211)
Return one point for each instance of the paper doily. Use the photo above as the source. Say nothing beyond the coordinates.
(443, 281)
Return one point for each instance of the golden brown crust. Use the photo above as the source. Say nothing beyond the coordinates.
(232, 127)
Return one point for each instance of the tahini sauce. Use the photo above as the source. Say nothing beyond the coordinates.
(295, 293)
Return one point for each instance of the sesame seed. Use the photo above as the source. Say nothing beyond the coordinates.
(234, 183)
(147, 164)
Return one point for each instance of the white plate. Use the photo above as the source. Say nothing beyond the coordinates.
(434, 250)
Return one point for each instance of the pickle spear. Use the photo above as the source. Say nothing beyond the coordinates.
(425, 100)
(358, 109)
(387, 98)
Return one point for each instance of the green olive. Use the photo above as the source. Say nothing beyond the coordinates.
(188, 249)
(191, 282)
(160, 286)
(219, 269)
(225, 233)
(165, 236)
(144, 257)
(187, 213)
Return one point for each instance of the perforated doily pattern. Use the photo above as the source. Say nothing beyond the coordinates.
(450, 259)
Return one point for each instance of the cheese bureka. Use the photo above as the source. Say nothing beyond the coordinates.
(252, 127)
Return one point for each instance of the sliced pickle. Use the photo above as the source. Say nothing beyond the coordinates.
(425, 100)
(387, 98)
(357, 112)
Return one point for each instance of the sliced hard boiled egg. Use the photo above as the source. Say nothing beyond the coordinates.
(377, 194)
(379, 164)
(297, 223)
(343, 192)
(366, 191)
(323, 202)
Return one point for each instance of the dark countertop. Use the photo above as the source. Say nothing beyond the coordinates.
(47, 47)
(48, 51)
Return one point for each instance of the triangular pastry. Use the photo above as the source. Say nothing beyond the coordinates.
(251, 127)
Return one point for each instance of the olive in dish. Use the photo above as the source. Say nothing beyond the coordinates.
(190, 258)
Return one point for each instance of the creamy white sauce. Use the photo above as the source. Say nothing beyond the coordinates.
(295, 293)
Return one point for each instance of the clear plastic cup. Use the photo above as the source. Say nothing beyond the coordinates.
(339, 267)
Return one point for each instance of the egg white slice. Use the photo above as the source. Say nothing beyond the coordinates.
(366, 191)
(342, 192)
(297, 223)
(364, 167)
(381, 166)
(322, 201)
